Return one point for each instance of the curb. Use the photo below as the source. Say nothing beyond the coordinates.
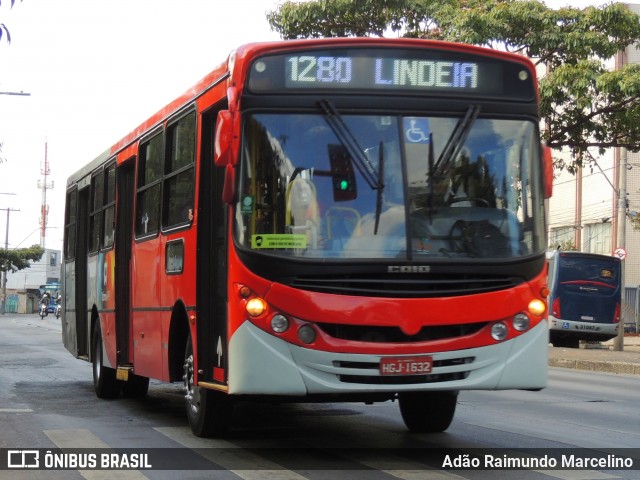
(596, 366)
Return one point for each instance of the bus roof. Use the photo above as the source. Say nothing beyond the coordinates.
(573, 253)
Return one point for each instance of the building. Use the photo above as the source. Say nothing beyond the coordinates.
(23, 292)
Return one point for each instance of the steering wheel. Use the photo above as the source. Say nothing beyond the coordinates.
(478, 239)
(481, 202)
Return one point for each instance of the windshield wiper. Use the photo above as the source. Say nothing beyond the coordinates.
(373, 177)
(431, 184)
(380, 187)
(455, 142)
(346, 137)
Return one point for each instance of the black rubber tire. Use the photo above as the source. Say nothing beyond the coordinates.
(105, 382)
(209, 411)
(136, 386)
(428, 412)
(564, 342)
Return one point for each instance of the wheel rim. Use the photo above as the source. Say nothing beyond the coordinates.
(97, 362)
(191, 392)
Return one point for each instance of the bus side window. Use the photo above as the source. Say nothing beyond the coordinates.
(148, 194)
(109, 226)
(179, 172)
(95, 217)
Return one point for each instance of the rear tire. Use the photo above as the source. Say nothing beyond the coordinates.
(209, 411)
(428, 412)
(565, 342)
(136, 386)
(104, 378)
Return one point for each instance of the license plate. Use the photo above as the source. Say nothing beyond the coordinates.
(405, 365)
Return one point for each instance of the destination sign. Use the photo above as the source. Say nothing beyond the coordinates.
(307, 70)
(362, 69)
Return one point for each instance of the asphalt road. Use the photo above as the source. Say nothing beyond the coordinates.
(603, 359)
(47, 401)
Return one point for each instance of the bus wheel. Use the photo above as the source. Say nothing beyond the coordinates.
(136, 386)
(427, 412)
(209, 411)
(104, 378)
(566, 342)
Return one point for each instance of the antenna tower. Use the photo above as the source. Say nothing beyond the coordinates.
(44, 185)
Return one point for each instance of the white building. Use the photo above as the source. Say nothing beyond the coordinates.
(23, 285)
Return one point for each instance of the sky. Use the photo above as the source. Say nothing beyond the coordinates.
(96, 69)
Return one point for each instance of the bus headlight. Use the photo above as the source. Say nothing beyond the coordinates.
(279, 323)
(306, 334)
(499, 331)
(521, 322)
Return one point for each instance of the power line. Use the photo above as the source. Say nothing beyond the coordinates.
(20, 94)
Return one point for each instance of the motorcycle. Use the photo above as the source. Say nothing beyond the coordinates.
(43, 310)
(58, 310)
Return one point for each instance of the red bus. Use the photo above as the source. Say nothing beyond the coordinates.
(319, 220)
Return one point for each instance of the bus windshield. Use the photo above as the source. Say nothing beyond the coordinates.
(332, 185)
(583, 270)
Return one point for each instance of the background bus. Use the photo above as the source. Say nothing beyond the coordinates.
(53, 289)
(346, 219)
(585, 297)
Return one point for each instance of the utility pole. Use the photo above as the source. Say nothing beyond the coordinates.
(6, 267)
(618, 343)
(6, 242)
(578, 215)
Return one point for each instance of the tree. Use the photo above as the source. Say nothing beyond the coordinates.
(584, 104)
(18, 259)
(3, 28)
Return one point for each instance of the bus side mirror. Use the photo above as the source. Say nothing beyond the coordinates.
(226, 139)
(547, 168)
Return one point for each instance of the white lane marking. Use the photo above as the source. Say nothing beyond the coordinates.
(82, 438)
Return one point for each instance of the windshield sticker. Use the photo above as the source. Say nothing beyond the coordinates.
(246, 206)
(276, 240)
(606, 273)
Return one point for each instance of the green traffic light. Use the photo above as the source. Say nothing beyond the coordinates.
(344, 185)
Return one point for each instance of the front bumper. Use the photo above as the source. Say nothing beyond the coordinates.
(262, 364)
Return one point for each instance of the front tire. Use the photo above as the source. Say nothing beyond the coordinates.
(209, 411)
(105, 382)
(428, 412)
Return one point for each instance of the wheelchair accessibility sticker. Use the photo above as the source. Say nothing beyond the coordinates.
(416, 130)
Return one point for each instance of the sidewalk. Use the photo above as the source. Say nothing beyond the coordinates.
(603, 359)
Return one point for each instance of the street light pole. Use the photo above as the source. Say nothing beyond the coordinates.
(618, 342)
(5, 267)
